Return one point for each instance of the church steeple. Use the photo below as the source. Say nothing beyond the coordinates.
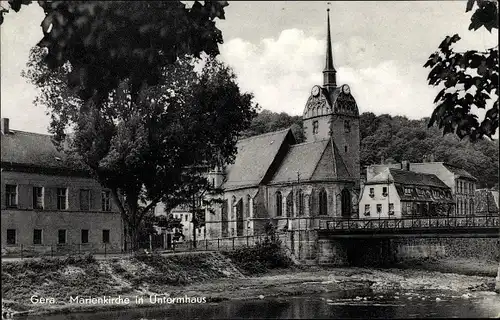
(329, 73)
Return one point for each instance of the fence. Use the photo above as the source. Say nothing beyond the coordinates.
(106, 251)
(413, 223)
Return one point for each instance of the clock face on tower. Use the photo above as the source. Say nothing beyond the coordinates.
(346, 89)
(315, 91)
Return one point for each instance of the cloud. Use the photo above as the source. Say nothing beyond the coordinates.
(281, 71)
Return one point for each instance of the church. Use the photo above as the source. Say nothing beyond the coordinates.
(293, 185)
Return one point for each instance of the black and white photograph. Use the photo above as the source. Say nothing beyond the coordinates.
(178, 160)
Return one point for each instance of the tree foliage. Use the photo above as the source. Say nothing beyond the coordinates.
(468, 79)
(154, 147)
(107, 42)
(398, 138)
(267, 121)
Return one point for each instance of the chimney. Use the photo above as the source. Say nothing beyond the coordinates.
(405, 165)
(5, 125)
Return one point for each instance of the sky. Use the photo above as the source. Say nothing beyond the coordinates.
(277, 50)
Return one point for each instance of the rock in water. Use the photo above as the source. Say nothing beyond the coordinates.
(261, 297)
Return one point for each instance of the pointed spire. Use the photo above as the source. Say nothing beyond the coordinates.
(329, 77)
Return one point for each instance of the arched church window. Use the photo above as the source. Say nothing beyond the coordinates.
(289, 205)
(323, 203)
(315, 127)
(279, 204)
(300, 205)
(247, 206)
(347, 126)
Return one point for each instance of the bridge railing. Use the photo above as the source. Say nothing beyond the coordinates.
(410, 223)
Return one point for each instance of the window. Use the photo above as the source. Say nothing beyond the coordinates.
(62, 199)
(384, 191)
(315, 127)
(61, 236)
(84, 200)
(247, 211)
(323, 203)
(345, 148)
(379, 208)
(213, 182)
(372, 192)
(300, 196)
(289, 205)
(37, 197)
(347, 126)
(367, 209)
(279, 204)
(105, 236)
(407, 190)
(84, 236)
(11, 236)
(105, 200)
(408, 207)
(37, 236)
(11, 195)
(391, 209)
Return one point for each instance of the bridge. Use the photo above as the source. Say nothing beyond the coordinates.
(431, 227)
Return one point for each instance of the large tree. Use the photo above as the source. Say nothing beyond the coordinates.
(153, 147)
(468, 78)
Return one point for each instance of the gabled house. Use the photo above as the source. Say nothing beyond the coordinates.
(396, 193)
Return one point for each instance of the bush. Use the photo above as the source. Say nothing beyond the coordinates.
(265, 255)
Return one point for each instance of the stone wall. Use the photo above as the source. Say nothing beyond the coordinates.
(369, 252)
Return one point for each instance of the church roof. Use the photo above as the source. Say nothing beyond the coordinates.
(256, 155)
(316, 160)
(302, 158)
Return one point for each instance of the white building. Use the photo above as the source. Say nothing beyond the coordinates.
(395, 193)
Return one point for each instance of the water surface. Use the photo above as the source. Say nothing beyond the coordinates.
(394, 305)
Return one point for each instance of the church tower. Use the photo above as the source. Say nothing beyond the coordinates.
(331, 112)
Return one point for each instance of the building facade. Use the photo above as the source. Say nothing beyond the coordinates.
(48, 205)
(398, 193)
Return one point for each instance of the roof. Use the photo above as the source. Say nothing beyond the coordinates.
(405, 177)
(416, 178)
(254, 158)
(459, 171)
(32, 149)
(301, 158)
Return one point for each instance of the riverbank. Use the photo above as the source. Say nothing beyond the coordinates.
(213, 276)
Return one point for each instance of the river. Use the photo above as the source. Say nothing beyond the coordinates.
(354, 305)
